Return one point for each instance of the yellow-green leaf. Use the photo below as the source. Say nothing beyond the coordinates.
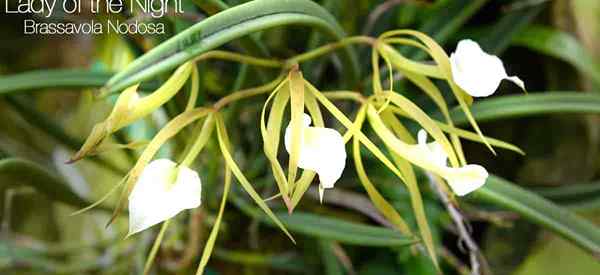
(224, 145)
(210, 243)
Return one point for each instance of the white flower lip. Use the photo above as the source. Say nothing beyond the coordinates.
(461, 180)
(156, 197)
(322, 150)
(476, 72)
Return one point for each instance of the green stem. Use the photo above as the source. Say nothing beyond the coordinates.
(156, 246)
(325, 49)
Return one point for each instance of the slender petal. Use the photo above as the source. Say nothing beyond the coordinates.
(461, 180)
(321, 150)
(476, 72)
(162, 191)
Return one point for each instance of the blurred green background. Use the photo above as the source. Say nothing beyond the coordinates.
(552, 45)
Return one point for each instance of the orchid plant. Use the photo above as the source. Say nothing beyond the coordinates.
(158, 189)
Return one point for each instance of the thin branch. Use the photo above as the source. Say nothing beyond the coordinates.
(478, 261)
(352, 201)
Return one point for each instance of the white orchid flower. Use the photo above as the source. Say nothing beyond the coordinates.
(161, 192)
(461, 180)
(476, 72)
(322, 150)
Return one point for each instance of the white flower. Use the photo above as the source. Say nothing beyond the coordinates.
(322, 150)
(476, 72)
(461, 180)
(162, 190)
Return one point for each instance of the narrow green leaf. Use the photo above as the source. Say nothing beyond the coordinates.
(332, 228)
(156, 246)
(226, 26)
(446, 20)
(560, 45)
(541, 211)
(16, 172)
(252, 45)
(499, 36)
(569, 191)
(582, 196)
(532, 104)
(42, 79)
(52, 79)
(342, 231)
(210, 243)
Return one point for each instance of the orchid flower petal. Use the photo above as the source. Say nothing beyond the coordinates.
(467, 179)
(436, 154)
(322, 150)
(162, 191)
(476, 72)
(462, 180)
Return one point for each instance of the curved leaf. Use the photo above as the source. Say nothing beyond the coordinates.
(226, 26)
(499, 36)
(52, 78)
(445, 21)
(252, 45)
(18, 172)
(541, 211)
(59, 78)
(342, 231)
(560, 45)
(530, 104)
(583, 196)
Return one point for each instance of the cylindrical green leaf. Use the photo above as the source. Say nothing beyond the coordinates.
(226, 26)
(541, 211)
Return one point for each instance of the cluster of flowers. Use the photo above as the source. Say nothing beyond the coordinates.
(162, 188)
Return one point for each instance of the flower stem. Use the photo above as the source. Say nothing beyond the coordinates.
(248, 92)
(329, 48)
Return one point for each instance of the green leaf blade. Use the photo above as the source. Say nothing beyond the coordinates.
(512, 106)
(541, 211)
(343, 231)
(226, 26)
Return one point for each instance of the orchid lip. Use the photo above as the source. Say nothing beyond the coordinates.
(162, 191)
(476, 72)
(462, 180)
(322, 150)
